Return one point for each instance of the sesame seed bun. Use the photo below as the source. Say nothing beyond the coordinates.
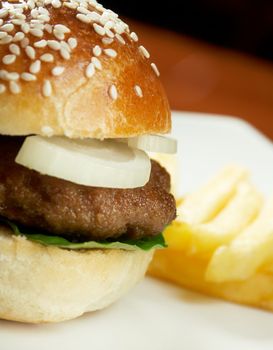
(48, 284)
(77, 72)
(71, 68)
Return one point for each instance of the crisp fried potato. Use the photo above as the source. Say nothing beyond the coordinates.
(204, 204)
(239, 212)
(189, 272)
(222, 242)
(252, 249)
(178, 236)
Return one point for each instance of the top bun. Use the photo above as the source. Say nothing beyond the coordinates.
(73, 68)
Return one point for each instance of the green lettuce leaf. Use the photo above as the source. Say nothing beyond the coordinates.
(146, 243)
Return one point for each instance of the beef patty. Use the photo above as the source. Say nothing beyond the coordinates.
(79, 212)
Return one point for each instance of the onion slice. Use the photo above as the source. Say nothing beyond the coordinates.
(86, 162)
(154, 143)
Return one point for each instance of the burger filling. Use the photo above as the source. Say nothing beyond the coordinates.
(34, 203)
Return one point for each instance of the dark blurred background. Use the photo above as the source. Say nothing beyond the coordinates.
(244, 25)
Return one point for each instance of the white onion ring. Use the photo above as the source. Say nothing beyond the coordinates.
(86, 162)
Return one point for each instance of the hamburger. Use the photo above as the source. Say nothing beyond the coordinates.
(82, 205)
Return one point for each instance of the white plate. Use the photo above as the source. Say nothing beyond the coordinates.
(157, 315)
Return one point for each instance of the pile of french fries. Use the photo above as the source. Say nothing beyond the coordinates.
(221, 243)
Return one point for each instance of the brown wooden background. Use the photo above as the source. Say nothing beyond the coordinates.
(206, 78)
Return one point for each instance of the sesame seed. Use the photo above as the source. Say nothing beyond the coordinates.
(58, 35)
(34, 22)
(43, 11)
(40, 44)
(155, 69)
(30, 4)
(107, 24)
(25, 28)
(144, 51)
(54, 45)
(17, 21)
(38, 25)
(110, 53)
(70, 5)
(134, 36)
(35, 67)
(92, 2)
(4, 13)
(47, 130)
(9, 59)
(34, 13)
(64, 53)
(48, 28)
(47, 57)
(119, 29)
(30, 52)
(36, 32)
(6, 40)
(47, 88)
(56, 4)
(83, 18)
(14, 87)
(3, 74)
(57, 71)
(7, 27)
(97, 50)
(105, 17)
(109, 33)
(83, 10)
(138, 91)
(2, 88)
(73, 43)
(28, 77)
(24, 43)
(99, 7)
(99, 29)
(15, 49)
(18, 37)
(12, 76)
(113, 93)
(19, 15)
(107, 41)
(61, 28)
(43, 18)
(120, 39)
(3, 35)
(94, 16)
(90, 70)
(65, 46)
(96, 63)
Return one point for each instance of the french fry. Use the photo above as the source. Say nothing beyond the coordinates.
(178, 236)
(252, 249)
(239, 212)
(189, 272)
(204, 204)
(222, 242)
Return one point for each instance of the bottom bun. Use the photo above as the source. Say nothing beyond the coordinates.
(49, 284)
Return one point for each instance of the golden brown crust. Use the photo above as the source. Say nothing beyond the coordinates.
(49, 284)
(81, 106)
